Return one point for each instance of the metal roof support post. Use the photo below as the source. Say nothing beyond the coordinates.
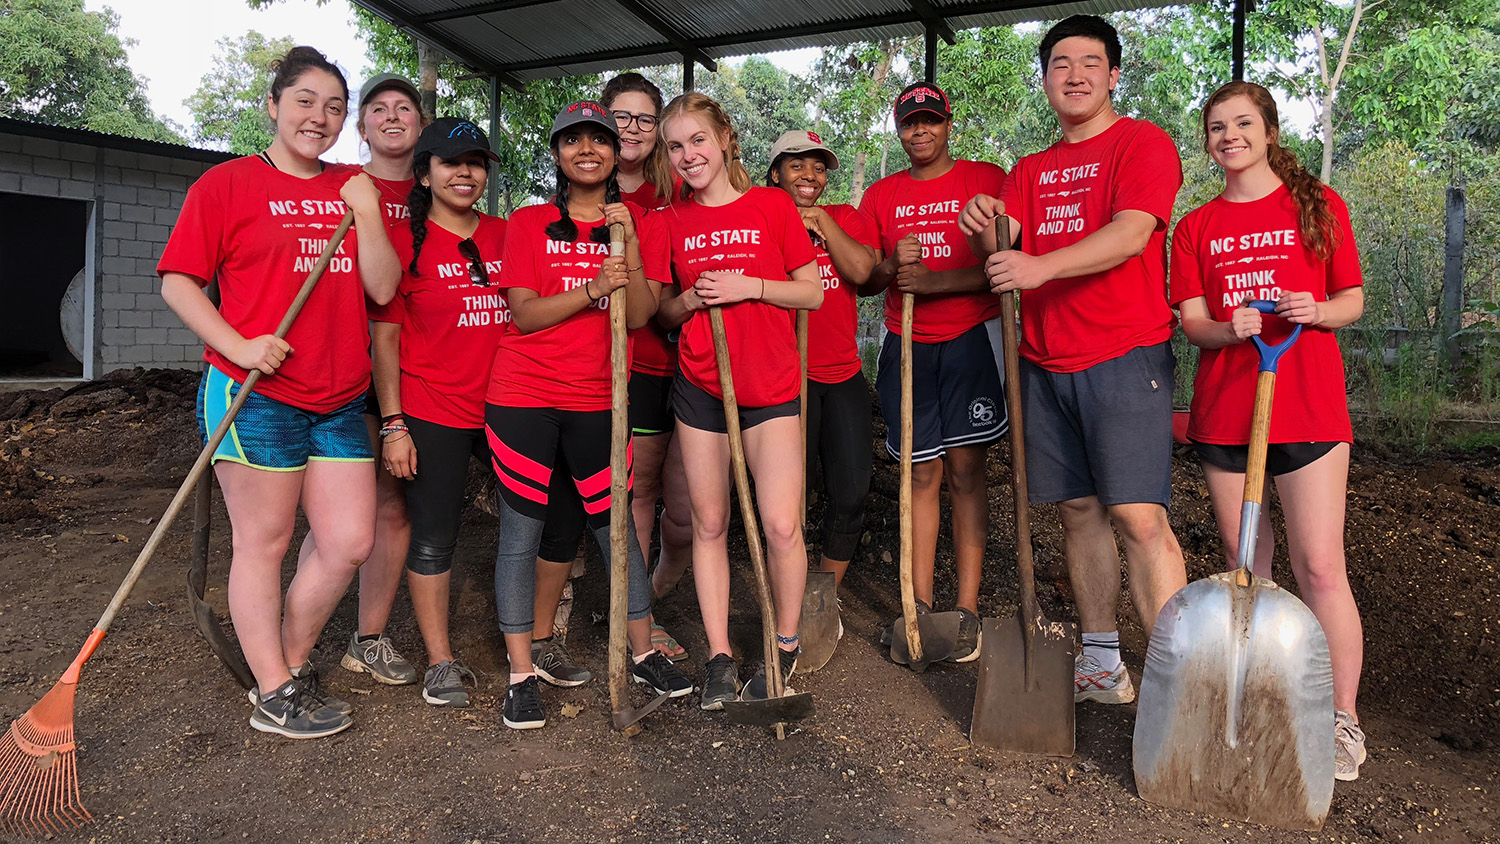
(931, 61)
(494, 198)
(1240, 9)
(688, 65)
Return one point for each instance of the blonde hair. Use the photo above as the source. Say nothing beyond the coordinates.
(715, 117)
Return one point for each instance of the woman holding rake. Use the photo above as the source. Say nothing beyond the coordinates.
(256, 225)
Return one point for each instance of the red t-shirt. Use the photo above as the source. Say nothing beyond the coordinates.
(899, 205)
(394, 195)
(652, 352)
(566, 366)
(1225, 251)
(258, 232)
(645, 196)
(832, 355)
(1066, 193)
(760, 235)
(450, 326)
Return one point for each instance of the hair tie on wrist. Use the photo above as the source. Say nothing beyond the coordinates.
(589, 293)
(762, 289)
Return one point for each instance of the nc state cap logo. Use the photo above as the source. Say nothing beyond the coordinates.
(813, 136)
(921, 95)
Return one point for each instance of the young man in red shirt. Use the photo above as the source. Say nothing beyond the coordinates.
(958, 405)
(1091, 214)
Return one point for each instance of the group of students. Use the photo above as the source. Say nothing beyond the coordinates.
(490, 339)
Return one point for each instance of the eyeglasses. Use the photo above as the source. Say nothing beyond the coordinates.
(646, 122)
(477, 273)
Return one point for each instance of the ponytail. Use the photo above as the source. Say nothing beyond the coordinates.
(418, 203)
(1319, 230)
(739, 176)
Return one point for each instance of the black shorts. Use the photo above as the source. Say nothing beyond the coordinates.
(650, 404)
(695, 408)
(1104, 431)
(372, 402)
(957, 396)
(1281, 458)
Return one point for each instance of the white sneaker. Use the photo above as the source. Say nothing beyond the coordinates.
(1348, 747)
(1092, 682)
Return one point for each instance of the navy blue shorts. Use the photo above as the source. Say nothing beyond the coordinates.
(1105, 431)
(957, 396)
(277, 437)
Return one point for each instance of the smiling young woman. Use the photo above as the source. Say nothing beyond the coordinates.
(1275, 221)
(253, 225)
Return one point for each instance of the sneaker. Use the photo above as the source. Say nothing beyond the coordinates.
(756, 688)
(1348, 747)
(550, 659)
(967, 649)
(308, 676)
(379, 659)
(658, 673)
(1092, 682)
(523, 706)
(294, 713)
(721, 682)
(885, 634)
(444, 684)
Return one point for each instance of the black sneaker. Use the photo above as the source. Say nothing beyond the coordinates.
(658, 672)
(551, 661)
(756, 688)
(967, 649)
(885, 634)
(444, 684)
(308, 677)
(721, 682)
(523, 706)
(294, 713)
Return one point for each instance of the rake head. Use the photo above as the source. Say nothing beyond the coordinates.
(39, 768)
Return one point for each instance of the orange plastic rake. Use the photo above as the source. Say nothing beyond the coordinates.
(38, 757)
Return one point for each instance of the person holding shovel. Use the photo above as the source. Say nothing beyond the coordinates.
(1276, 233)
(257, 225)
(549, 392)
(838, 414)
(744, 249)
(1091, 214)
(958, 403)
(434, 346)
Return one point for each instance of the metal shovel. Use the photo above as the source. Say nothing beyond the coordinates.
(1236, 708)
(1024, 699)
(818, 627)
(779, 708)
(917, 640)
(622, 716)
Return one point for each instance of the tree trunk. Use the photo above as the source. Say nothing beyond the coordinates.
(1325, 125)
(427, 68)
(877, 81)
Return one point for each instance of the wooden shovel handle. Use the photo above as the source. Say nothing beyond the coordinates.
(619, 494)
(206, 455)
(908, 589)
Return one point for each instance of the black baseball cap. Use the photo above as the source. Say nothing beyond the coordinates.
(922, 96)
(585, 111)
(450, 137)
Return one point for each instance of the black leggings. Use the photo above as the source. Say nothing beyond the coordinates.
(435, 495)
(839, 433)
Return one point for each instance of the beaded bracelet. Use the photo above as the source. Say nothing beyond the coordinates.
(393, 429)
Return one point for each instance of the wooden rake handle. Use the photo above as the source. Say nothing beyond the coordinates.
(802, 317)
(619, 494)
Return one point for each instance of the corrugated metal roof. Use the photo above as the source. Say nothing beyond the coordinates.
(519, 40)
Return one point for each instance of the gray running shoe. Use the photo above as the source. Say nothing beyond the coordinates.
(756, 688)
(294, 713)
(378, 658)
(550, 659)
(1348, 747)
(444, 684)
(967, 649)
(523, 708)
(658, 672)
(308, 677)
(721, 682)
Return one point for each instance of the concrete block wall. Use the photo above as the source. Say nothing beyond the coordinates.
(136, 198)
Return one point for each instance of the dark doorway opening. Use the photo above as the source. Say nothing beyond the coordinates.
(42, 249)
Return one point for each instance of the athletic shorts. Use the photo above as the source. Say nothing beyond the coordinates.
(278, 437)
(525, 444)
(1281, 458)
(957, 395)
(650, 404)
(1105, 431)
(695, 408)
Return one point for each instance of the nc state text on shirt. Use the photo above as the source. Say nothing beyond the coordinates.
(1069, 174)
(1254, 240)
(723, 237)
(949, 207)
(310, 207)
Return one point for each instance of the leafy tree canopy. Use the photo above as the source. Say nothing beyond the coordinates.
(229, 107)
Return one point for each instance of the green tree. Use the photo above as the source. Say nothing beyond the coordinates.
(66, 66)
(229, 107)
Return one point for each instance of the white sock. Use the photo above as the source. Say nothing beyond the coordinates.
(1104, 648)
(637, 660)
(520, 678)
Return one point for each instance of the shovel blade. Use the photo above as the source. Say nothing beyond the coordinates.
(627, 718)
(939, 632)
(819, 627)
(770, 712)
(1008, 715)
(1236, 707)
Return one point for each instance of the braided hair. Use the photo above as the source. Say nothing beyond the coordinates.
(1316, 224)
(418, 203)
(563, 228)
(717, 120)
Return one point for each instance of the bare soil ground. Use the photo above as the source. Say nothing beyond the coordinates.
(166, 755)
